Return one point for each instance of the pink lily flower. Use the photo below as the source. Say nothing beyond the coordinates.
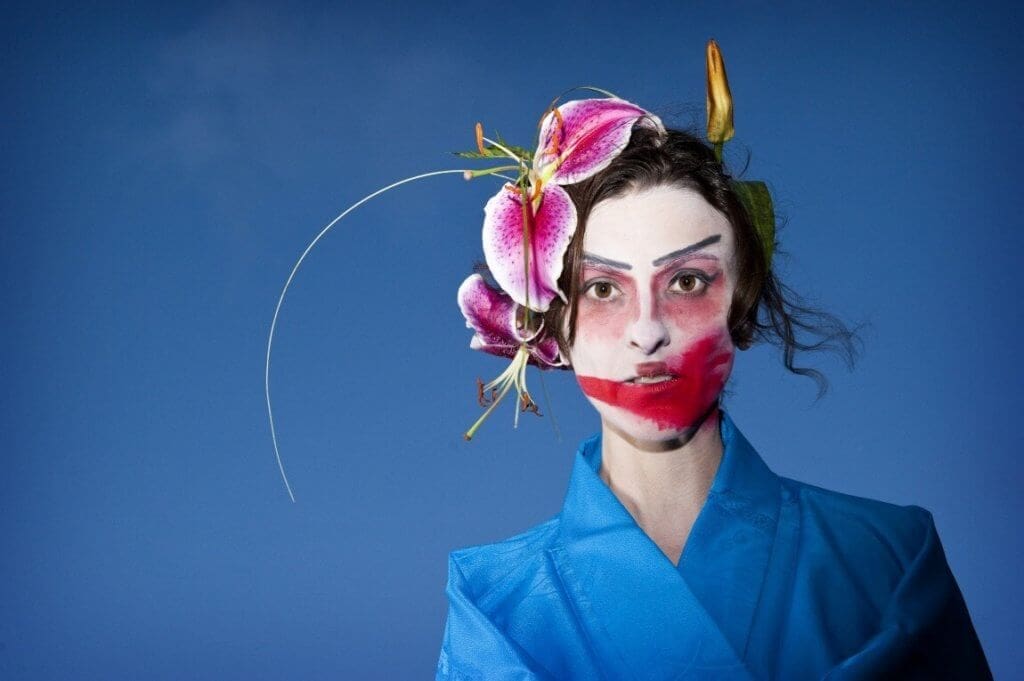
(525, 236)
(493, 315)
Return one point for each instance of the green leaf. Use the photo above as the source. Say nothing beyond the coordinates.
(494, 152)
(476, 154)
(521, 152)
(757, 200)
(491, 151)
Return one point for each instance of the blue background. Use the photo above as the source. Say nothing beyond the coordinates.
(165, 165)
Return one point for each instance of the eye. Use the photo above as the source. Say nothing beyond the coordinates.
(690, 283)
(601, 290)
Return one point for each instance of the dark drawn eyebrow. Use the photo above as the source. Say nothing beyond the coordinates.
(598, 260)
(713, 239)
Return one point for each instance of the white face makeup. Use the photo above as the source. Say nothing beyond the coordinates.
(652, 349)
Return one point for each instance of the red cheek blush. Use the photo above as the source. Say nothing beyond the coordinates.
(700, 373)
(603, 321)
(606, 321)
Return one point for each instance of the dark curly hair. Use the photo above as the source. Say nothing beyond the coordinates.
(682, 159)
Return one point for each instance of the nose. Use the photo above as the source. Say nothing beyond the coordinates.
(648, 332)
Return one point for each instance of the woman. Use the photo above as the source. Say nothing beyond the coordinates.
(677, 553)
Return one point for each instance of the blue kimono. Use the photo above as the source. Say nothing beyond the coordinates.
(778, 580)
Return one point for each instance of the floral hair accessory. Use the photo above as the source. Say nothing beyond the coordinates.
(528, 226)
(529, 223)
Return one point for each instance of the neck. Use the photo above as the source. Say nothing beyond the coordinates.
(665, 479)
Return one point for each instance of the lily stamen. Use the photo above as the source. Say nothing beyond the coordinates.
(528, 404)
(481, 397)
(480, 138)
(513, 377)
(556, 136)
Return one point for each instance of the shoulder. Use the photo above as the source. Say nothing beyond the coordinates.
(871, 530)
(481, 567)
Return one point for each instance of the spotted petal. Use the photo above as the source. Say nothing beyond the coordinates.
(584, 136)
(551, 228)
(491, 314)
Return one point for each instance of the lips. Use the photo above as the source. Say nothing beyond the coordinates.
(649, 373)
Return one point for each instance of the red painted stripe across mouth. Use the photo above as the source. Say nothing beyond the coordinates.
(699, 375)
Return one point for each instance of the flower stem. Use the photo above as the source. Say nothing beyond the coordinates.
(527, 217)
(470, 174)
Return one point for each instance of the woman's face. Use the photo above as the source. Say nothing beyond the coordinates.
(652, 349)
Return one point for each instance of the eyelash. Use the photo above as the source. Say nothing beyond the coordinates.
(700, 276)
(591, 285)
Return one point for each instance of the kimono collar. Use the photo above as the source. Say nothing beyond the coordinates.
(639, 610)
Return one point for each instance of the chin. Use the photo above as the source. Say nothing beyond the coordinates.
(640, 430)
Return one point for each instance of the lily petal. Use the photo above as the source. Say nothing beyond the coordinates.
(491, 314)
(544, 354)
(551, 229)
(584, 135)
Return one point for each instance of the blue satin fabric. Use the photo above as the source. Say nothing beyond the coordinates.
(778, 580)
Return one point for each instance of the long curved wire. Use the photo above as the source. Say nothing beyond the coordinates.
(280, 300)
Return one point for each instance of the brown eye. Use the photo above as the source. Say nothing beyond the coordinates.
(601, 290)
(690, 283)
